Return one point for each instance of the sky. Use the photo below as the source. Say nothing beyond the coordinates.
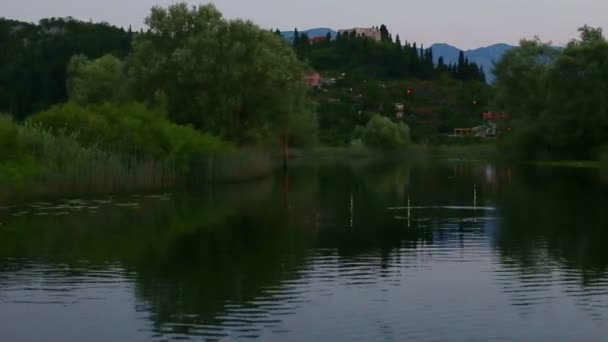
(464, 23)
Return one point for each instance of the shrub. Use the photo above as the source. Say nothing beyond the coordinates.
(383, 134)
(128, 129)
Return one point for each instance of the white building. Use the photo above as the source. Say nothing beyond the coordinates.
(372, 32)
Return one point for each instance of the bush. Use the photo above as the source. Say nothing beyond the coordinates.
(129, 129)
(383, 134)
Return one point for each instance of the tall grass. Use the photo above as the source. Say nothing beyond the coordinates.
(42, 161)
(237, 166)
(56, 164)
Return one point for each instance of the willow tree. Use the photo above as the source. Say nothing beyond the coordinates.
(228, 77)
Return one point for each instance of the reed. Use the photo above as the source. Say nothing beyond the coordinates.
(55, 164)
(73, 150)
(235, 166)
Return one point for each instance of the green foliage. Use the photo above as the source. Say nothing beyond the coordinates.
(521, 78)
(111, 148)
(383, 134)
(433, 107)
(34, 59)
(230, 78)
(129, 129)
(97, 81)
(8, 138)
(303, 129)
(557, 98)
(380, 59)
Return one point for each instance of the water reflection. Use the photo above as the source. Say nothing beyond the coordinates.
(554, 238)
(334, 251)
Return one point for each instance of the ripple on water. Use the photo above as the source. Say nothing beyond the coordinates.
(453, 284)
(34, 282)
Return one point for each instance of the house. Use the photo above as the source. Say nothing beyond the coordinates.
(491, 116)
(329, 81)
(313, 80)
(399, 109)
(316, 40)
(366, 32)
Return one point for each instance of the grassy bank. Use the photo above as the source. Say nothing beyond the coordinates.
(72, 150)
(486, 151)
(579, 164)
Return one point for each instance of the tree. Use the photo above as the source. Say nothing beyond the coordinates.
(229, 78)
(441, 63)
(576, 108)
(384, 34)
(296, 37)
(34, 58)
(521, 78)
(461, 66)
(557, 98)
(304, 39)
(590, 35)
(97, 81)
(383, 134)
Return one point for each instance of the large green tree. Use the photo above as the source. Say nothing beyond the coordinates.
(556, 97)
(229, 77)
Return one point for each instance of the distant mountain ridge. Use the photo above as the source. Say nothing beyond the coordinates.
(315, 32)
(485, 56)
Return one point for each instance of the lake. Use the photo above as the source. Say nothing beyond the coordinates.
(334, 251)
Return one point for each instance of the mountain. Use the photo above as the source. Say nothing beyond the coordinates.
(315, 32)
(485, 56)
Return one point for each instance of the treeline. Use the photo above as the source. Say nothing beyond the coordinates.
(33, 59)
(557, 98)
(190, 62)
(160, 106)
(387, 58)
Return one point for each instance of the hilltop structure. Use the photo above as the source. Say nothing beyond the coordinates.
(373, 32)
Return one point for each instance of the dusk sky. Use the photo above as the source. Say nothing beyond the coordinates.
(465, 23)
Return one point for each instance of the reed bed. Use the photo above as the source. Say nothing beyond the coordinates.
(55, 164)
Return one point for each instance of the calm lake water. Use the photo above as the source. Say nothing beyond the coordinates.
(363, 251)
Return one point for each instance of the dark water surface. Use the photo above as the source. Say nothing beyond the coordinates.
(364, 251)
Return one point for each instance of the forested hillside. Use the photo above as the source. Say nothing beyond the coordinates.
(362, 77)
(34, 57)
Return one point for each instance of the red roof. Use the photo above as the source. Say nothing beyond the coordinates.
(317, 39)
(313, 80)
(495, 116)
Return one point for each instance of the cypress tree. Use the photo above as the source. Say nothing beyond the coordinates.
(460, 68)
(384, 34)
(441, 64)
(296, 37)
